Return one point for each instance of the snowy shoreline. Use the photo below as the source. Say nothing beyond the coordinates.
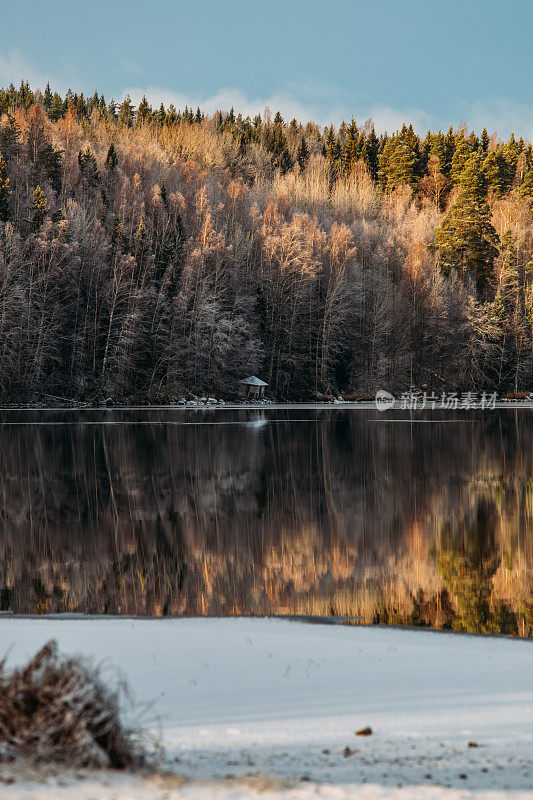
(244, 705)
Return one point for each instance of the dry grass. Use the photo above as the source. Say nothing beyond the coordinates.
(57, 709)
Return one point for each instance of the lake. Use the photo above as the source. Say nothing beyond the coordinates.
(378, 516)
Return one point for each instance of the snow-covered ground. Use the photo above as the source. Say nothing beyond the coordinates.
(255, 707)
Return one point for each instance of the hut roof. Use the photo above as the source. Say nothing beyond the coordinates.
(253, 381)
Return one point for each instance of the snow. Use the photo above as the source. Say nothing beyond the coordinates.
(265, 707)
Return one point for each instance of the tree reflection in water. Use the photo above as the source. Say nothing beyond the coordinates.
(295, 512)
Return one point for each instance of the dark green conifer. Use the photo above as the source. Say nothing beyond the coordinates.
(88, 167)
(39, 208)
(466, 241)
(161, 115)
(144, 111)
(111, 158)
(126, 112)
(47, 98)
(351, 147)
(459, 158)
(302, 154)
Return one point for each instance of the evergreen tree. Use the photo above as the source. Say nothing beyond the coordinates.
(111, 158)
(279, 148)
(161, 115)
(333, 154)
(460, 157)
(144, 111)
(56, 108)
(397, 164)
(351, 148)
(485, 140)
(47, 98)
(372, 153)
(449, 145)
(88, 167)
(126, 112)
(526, 188)
(9, 138)
(466, 241)
(5, 191)
(39, 208)
(493, 170)
(302, 154)
(112, 110)
(172, 115)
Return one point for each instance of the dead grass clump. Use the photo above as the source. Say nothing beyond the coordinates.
(58, 709)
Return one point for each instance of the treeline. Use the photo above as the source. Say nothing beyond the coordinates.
(147, 253)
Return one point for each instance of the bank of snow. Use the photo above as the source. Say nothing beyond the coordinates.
(245, 706)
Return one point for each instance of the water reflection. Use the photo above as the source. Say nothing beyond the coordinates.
(226, 512)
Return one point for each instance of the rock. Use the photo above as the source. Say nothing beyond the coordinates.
(364, 732)
(473, 744)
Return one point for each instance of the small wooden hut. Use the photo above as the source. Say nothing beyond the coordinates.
(252, 388)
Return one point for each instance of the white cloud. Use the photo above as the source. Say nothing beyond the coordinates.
(290, 105)
(310, 100)
(14, 68)
(500, 114)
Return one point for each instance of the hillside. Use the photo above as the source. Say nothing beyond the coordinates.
(145, 254)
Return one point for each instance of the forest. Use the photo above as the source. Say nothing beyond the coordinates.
(147, 254)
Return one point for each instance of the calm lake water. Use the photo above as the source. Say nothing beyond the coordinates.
(423, 521)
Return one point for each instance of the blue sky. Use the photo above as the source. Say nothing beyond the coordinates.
(429, 62)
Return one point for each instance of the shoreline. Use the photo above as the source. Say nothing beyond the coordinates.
(348, 405)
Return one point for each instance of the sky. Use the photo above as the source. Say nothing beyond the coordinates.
(429, 63)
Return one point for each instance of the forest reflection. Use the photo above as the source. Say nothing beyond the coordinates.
(334, 512)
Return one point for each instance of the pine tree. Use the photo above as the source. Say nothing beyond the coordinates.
(493, 170)
(144, 111)
(333, 154)
(449, 145)
(9, 138)
(277, 144)
(112, 110)
(351, 148)
(39, 208)
(56, 108)
(397, 164)
(47, 98)
(466, 241)
(302, 154)
(372, 153)
(161, 114)
(172, 116)
(526, 188)
(459, 158)
(111, 158)
(485, 140)
(126, 112)
(88, 167)
(5, 191)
